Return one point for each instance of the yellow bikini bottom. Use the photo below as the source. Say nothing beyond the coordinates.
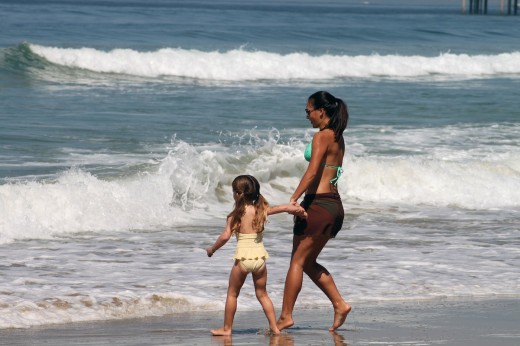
(250, 251)
(252, 265)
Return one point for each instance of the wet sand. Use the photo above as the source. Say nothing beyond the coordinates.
(439, 322)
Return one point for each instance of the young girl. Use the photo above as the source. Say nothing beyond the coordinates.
(247, 221)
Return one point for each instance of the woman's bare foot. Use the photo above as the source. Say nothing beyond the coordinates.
(220, 331)
(340, 315)
(283, 323)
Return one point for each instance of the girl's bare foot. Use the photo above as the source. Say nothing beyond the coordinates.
(340, 315)
(221, 331)
(283, 323)
(274, 330)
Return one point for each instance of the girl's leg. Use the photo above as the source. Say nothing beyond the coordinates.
(236, 281)
(303, 259)
(260, 281)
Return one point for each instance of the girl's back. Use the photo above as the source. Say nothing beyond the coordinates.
(246, 222)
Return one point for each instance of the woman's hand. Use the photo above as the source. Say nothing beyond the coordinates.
(209, 251)
(301, 213)
(297, 210)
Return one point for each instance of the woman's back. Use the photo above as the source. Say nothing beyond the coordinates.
(333, 159)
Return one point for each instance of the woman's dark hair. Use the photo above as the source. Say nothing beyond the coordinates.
(335, 109)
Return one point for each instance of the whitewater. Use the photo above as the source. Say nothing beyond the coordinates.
(179, 188)
(243, 65)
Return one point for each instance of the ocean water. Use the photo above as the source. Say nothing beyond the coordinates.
(123, 124)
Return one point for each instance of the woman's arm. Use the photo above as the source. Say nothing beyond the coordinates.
(221, 240)
(319, 150)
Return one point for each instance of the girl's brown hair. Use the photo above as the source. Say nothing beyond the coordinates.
(248, 190)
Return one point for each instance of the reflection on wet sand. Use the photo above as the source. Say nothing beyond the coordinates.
(283, 339)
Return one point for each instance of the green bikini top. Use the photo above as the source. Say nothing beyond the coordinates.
(308, 153)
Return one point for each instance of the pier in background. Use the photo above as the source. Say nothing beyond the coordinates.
(509, 7)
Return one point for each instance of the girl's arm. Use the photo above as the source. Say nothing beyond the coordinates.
(287, 208)
(319, 150)
(221, 240)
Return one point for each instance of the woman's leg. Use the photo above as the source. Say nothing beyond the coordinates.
(236, 281)
(323, 279)
(303, 259)
(260, 281)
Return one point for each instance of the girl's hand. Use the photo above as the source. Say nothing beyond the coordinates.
(209, 251)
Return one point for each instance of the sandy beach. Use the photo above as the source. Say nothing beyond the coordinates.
(439, 322)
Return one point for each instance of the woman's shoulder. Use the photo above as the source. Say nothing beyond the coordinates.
(324, 135)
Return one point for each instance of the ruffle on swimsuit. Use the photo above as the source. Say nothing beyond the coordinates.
(250, 247)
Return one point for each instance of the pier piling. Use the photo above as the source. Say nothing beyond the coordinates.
(481, 7)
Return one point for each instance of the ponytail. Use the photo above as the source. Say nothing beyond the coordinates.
(335, 109)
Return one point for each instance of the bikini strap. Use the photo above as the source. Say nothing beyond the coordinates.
(339, 171)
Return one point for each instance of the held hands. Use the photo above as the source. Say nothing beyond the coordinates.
(297, 210)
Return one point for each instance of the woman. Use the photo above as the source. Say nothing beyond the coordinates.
(323, 205)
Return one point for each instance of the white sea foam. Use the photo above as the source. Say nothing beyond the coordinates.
(470, 184)
(82, 308)
(103, 249)
(438, 221)
(191, 183)
(138, 274)
(244, 65)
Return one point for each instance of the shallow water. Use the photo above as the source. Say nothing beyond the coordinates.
(123, 126)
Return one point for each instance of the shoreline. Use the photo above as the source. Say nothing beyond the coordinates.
(429, 322)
